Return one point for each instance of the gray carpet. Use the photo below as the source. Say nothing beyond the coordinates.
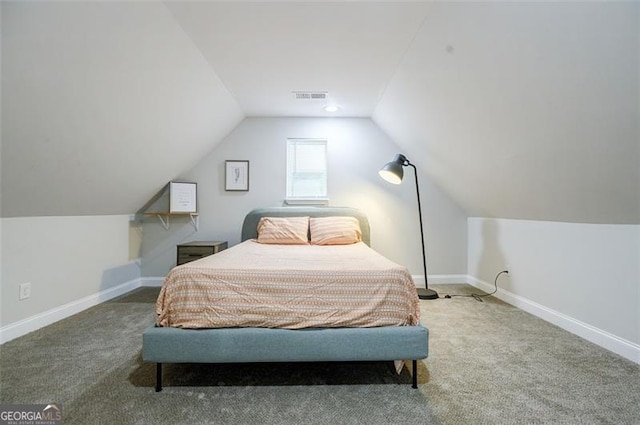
(489, 363)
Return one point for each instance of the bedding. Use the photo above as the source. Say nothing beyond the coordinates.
(290, 287)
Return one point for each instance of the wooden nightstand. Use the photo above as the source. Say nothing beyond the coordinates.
(190, 251)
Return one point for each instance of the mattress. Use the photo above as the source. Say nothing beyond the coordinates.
(289, 287)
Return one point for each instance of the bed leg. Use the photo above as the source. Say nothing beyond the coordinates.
(414, 383)
(158, 377)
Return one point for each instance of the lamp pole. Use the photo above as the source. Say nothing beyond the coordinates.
(423, 293)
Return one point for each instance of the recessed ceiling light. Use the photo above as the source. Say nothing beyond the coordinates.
(331, 108)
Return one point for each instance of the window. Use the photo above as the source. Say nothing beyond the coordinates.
(306, 170)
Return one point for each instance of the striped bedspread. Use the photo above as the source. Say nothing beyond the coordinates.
(291, 287)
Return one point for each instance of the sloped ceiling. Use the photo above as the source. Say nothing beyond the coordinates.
(102, 104)
(264, 51)
(518, 110)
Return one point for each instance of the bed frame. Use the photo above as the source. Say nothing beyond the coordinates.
(248, 345)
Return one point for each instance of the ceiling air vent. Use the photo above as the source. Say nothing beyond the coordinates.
(310, 95)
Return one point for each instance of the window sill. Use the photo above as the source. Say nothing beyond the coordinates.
(307, 201)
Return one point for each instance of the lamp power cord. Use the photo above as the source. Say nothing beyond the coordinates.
(478, 297)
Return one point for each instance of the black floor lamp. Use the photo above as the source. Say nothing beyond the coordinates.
(393, 172)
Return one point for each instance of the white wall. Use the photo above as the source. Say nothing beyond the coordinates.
(357, 149)
(65, 259)
(588, 274)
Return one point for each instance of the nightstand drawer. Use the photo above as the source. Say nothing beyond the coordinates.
(195, 250)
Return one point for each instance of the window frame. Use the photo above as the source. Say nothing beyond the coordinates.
(306, 199)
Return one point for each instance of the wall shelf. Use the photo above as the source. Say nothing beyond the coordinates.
(164, 218)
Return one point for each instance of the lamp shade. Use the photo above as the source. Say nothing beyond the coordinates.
(393, 171)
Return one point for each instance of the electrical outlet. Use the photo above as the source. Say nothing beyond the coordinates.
(25, 290)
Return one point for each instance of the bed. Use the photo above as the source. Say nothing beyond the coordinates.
(267, 302)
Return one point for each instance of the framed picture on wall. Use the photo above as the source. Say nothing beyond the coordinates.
(182, 197)
(236, 176)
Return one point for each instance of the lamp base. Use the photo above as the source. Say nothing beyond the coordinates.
(427, 294)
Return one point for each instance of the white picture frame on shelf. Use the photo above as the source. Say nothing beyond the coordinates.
(183, 197)
(236, 176)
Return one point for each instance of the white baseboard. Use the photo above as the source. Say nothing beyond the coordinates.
(154, 282)
(440, 279)
(604, 339)
(30, 324)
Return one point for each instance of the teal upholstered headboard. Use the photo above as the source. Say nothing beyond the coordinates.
(250, 225)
